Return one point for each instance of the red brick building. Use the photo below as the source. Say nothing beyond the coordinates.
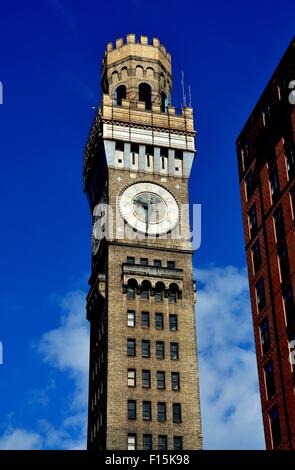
(266, 160)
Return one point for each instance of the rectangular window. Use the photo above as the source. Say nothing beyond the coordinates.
(174, 353)
(288, 303)
(249, 183)
(145, 348)
(157, 263)
(162, 442)
(160, 353)
(175, 381)
(158, 295)
(131, 409)
(147, 443)
(260, 294)
(279, 223)
(144, 261)
(173, 322)
(145, 319)
(146, 411)
(131, 378)
(245, 155)
(146, 378)
(161, 412)
(256, 256)
(177, 443)
(159, 321)
(144, 294)
(131, 318)
(290, 160)
(131, 442)
(130, 260)
(131, 347)
(171, 264)
(274, 184)
(160, 380)
(270, 379)
(284, 261)
(176, 412)
(172, 297)
(253, 223)
(264, 335)
(275, 427)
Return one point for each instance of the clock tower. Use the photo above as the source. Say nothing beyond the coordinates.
(143, 371)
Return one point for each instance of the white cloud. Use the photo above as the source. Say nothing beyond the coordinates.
(20, 439)
(230, 400)
(65, 348)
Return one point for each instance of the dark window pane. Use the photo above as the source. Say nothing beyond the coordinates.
(147, 443)
(289, 303)
(176, 410)
(131, 347)
(161, 412)
(264, 334)
(256, 256)
(130, 259)
(145, 319)
(162, 442)
(279, 223)
(174, 353)
(270, 379)
(146, 410)
(250, 184)
(274, 184)
(161, 380)
(130, 292)
(172, 297)
(260, 293)
(275, 426)
(159, 322)
(160, 353)
(253, 223)
(284, 261)
(159, 296)
(144, 261)
(157, 263)
(145, 348)
(175, 380)
(146, 378)
(171, 264)
(131, 409)
(173, 322)
(177, 442)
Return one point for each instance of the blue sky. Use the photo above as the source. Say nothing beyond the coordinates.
(50, 70)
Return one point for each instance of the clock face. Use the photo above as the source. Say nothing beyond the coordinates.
(97, 222)
(149, 208)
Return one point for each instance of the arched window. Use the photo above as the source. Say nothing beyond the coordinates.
(145, 290)
(145, 94)
(159, 291)
(173, 291)
(164, 102)
(120, 94)
(131, 288)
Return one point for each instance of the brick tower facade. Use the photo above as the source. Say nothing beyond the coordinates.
(143, 384)
(266, 159)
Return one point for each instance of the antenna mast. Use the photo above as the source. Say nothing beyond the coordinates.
(183, 93)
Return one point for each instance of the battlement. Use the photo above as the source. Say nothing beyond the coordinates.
(141, 47)
(140, 41)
